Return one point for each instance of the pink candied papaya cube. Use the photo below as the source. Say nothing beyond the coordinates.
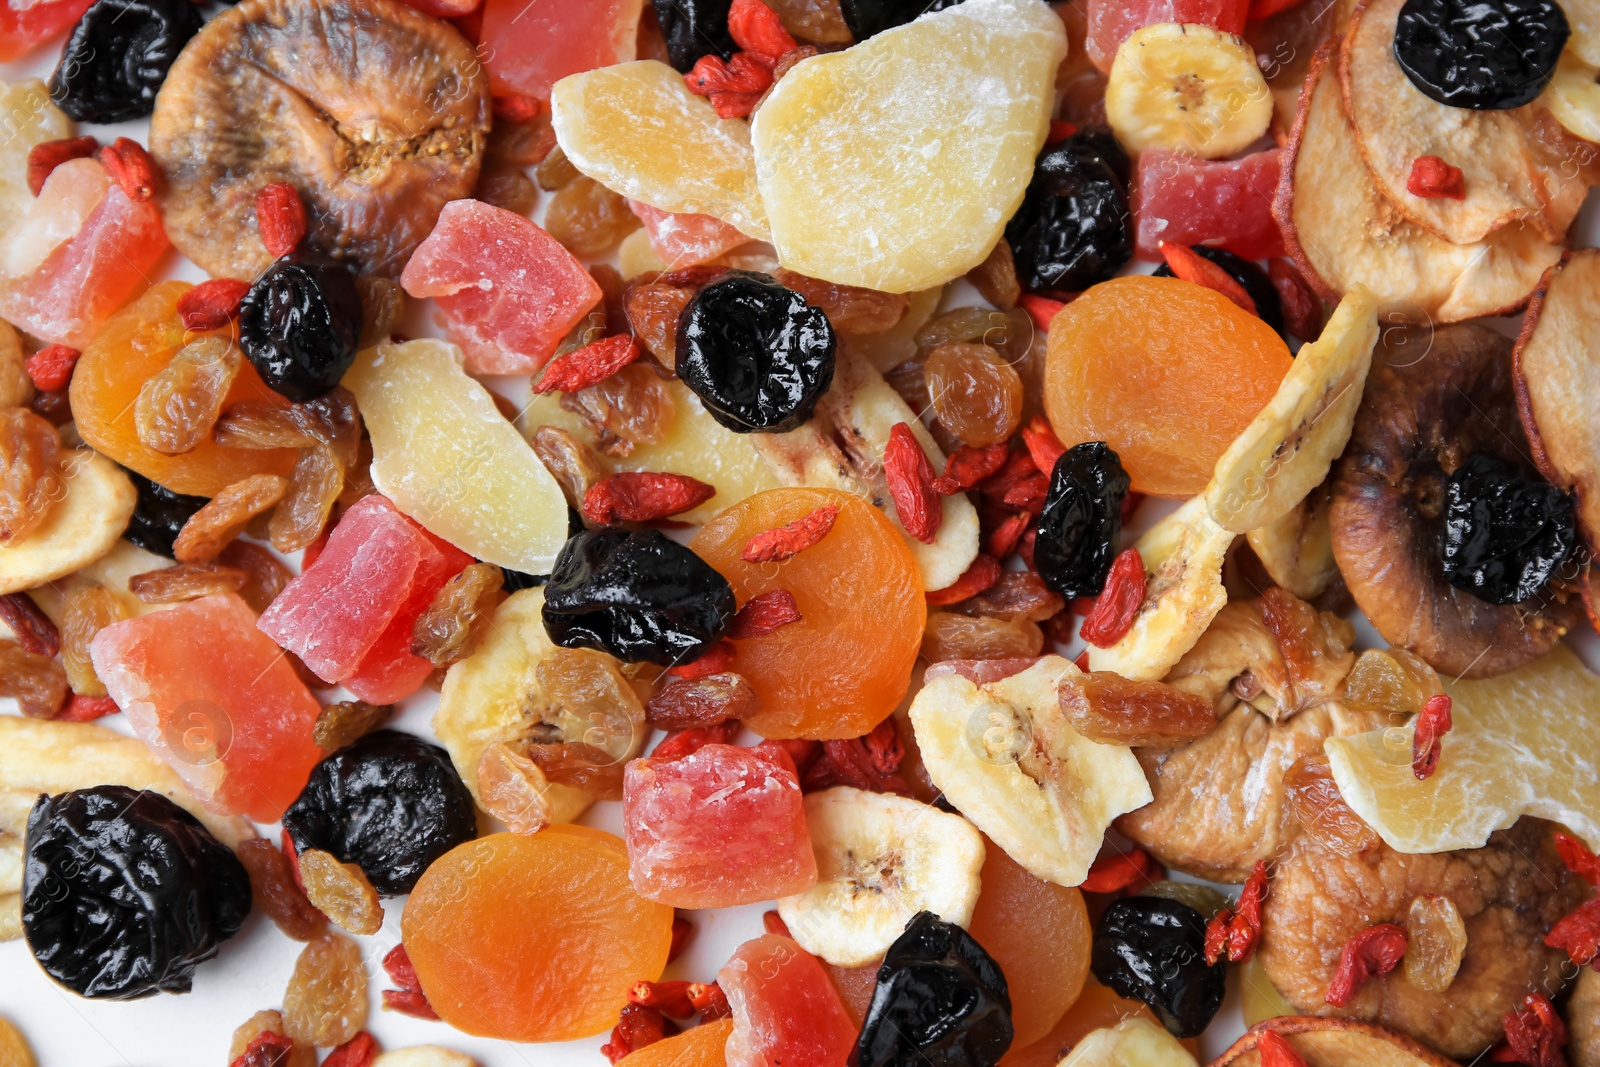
(216, 699)
(532, 44)
(25, 26)
(1182, 199)
(1110, 22)
(508, 290)
(722, 826)
(684, 240)
(785, 1008)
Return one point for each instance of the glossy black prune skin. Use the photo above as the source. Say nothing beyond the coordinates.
(1252, 278)
(694, 28)
(159, 515)
(1153, 949)
(391, 803)
(1081, 520)
(1073, 228)
(1505, 535)
(299, 325)
(118, 55)
(867, 18)
(1487, 55)
(940, 1001)
(755, 353)
(637, 595)
(124, 893)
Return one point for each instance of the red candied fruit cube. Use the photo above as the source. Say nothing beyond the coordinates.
(1110, 22)
(1184, 200)
(785, 1008)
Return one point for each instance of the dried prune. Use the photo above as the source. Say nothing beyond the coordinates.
(1504, 534)
(868, 17)
(1487, 56)
(299, 324)
(694, 28)
(636, 594)
(940, 1001)
(159, 515)
(125, 893)
(1254, 280)
(755, 353)
(1153, 949)
(390, 803)
(1073, 228)
(1081, 520)
(118, 56)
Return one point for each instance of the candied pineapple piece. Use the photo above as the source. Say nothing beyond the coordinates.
(895, 164)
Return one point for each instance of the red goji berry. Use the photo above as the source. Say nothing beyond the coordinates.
(359, 1051)
(742, 74)
(790, 539)
(757, 29)
(1029, 493)
(1118, 603)
(983, 573)
(773, 923)
(514, 107)
(1432, 179)
(280, 218)
(871, 763)
(734, 105)
(1060, 130)
(681, 743)
(1082, 662)
(801, 752)
(1302, 307)
(1577, 857)
(714, 660)
(1018, 468)
(1217, 936)
(682, 934)
(669, 998)
(709, 1000)
(266, 1049)
(588, 365)
(34, 630)
(1189, 265)
(130, 167)
(1041, 308)
(1273, 1047)
(1002, 541)
(80, 708)
(46, 156)
(410, 1002)
(1536, 1035)
(1433, 722)
(1113, 872)
(212, 304)
(1372, 953)
(51, 367)
(1042, 444)
(1578, 933)
(1262, 9)
(967, 466)
(397, 965)
(643, 496)
(1025, 547)
(764, 613)
(910, 478)
(1234, 933)
(293, 857)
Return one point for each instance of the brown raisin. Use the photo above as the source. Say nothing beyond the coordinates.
(572, 463)
(86, 613)
(952, 636)
(527, 144)
(849, 309)
(37, 683)
(334, 420)
(30, 475)
(225, 516)
(653, 310)
(1321, 808)
(265, 574)
(506, 185)
(325, 1003)
(1113, 710)
(177, 408)
(1390, 679)
(186, 581)
(347, 722)
(587, 218)
(628, 409)
(341, 891)
(686, 703)
(275, 891)
(819, 21)
(52, 405)
(382, 304)
(314, 485)
(35, 632)
(555, 171)
(975, 393)
(451, 626)
(258, 424)
(592, 770)
(358, 478)
(996, 277)
(1017, 595)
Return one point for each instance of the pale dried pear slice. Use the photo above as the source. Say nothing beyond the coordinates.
(1183, 556)
(1287, 450)
(1573, 96)
(1522, 744)
(1334, 1043)
(637, 129)
(111, 571)
(1343, 231)
(895, 164)
(1188, 87)
(96, 503)
(1558, 387)
(1135, 1042)
(1296, 549)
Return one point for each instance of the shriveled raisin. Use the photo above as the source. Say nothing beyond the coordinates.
(555, 171)
(975, 393)
(590, 698)
(451, 626)
(572, 463)
(593, 770)
(358, 478)
(347, 722)
(334, 420)
(587, 218)
(314, 485)
(1321, 808)
(186, 581)
(996, 278)
(341, 891)
(1436, 941)
(684, 703)
(850, 309)
(177, 408)
(511, 787)
(1113, 710)
(325, 1003)
(37, 683)
(210, 529)
(274, 890)
(819, 21)
(525, 142)
(35, 632)
(265, 574)
(87, 612)
(653, 310)
(628, 409)
(382, 304)
(506, 185)
(1391, 679)
(952, 636)
(257, 424)
(1016, 595)
(30, 478)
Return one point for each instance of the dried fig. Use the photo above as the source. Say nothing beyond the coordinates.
(375, 113)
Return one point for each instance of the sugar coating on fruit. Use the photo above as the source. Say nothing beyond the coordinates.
(30, 119)
(723, 826)
(637, 129)
(684, 240)
(785, 1010)
(445, 455)
(1110, 22)
(532, 45)
(1183, 199)
(215, 698)
(895, 164)
(508, 290)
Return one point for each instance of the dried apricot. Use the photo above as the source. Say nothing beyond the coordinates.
(178, 407)
(325, 1003)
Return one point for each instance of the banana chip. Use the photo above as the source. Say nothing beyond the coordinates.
(1187, 86)
(1296, 549)
(110, 571)
(97, 502)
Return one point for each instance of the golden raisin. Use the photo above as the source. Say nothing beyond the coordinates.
(265, 574)
(849, 309)
(1391, 679)
(347, 722)
(256, 424)
(30, 478)
(274, 890)
(511, 787)
(334, 420)
(952, 636)
(87, 612)
(1017, 595)
(1113, 710)
(225, 516)
(358, 478)
(341, 891)
(451, 626)
(996, 277)
(1321, 808)
(628, 409)
(177, 408)
(686, 703)
(580, 766)
(975, 393)
(590, 700)
(572, 463)
(37, 683)
(587, 218)
(186, 581)
(314, 484)
(653, 310)
(326, 1002)
(1436, 941)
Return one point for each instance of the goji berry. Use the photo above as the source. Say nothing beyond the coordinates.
(734, 105)
(34, 630)
(397, 965)
(212, 304)
(967, 466)
(714, 660)
(1536, 1035)
(643, 496)
(742, 74)
(763, 614)
(46, 156)
(1113, 872)
(588, 365)
(1002, 540)
(1042, 444)
(1433, 722)
(757, 29)
(1217, 936)
(280, 218)
(1577, 857)
(1041, 308)
(1432, 179)
(1082, 662)
(871, 762)
(1234, 933)
(1118, 603)
(682, 934)
(80, 708)
(1578, 933)
(790, 539)
(1372, 953)
(1018, 468)
(800, 751)
(681, 743)
(1060, 130)
(637, 1027)
(773, 923)
(266, 1049)
(669, 998)
(709, 1000)
(983, 573)
(514, 107)
(1025, 547)
(410, 1002)
(359, 1051)
(130, 167)
(1273, 1047)
(1189, 265)
(1302, 308)
(293, 857)
(1261, 9)
(1029, 493)
(51, 367)
(910, 478)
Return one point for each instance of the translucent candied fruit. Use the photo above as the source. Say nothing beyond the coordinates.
(785, 1010)
(684, 240)
(964, 94)
(531, 46)
(700, 1046)
(1165, 371)
(534, 937)
(1110, 22)
(1183, 199)
(840, 670)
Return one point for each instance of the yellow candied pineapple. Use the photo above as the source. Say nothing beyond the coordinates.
(894, 165)
(29, 119)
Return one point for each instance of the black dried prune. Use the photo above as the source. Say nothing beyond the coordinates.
(118, 56)
(694, 28)
(1487, 55)
(636, 594)
(1081, 520)
(299, 325)
(755, 353)
(867, 18)
(1072, 229)
(1154, 950)
(390, 803)
(1254, 280)
(940, 1001)
(159, 515)
(1505, 535)
(124, 893)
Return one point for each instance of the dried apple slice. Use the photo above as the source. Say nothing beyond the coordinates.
(1343, 231)
(1334, 1043)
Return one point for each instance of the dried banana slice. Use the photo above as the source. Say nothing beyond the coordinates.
(1183, 555)
(97, 502)
(1135, 1042)
(1187, 86)
(1008, 759)
(1573, 95)
(1287, 450)
(111, 571)
(1297, 548)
